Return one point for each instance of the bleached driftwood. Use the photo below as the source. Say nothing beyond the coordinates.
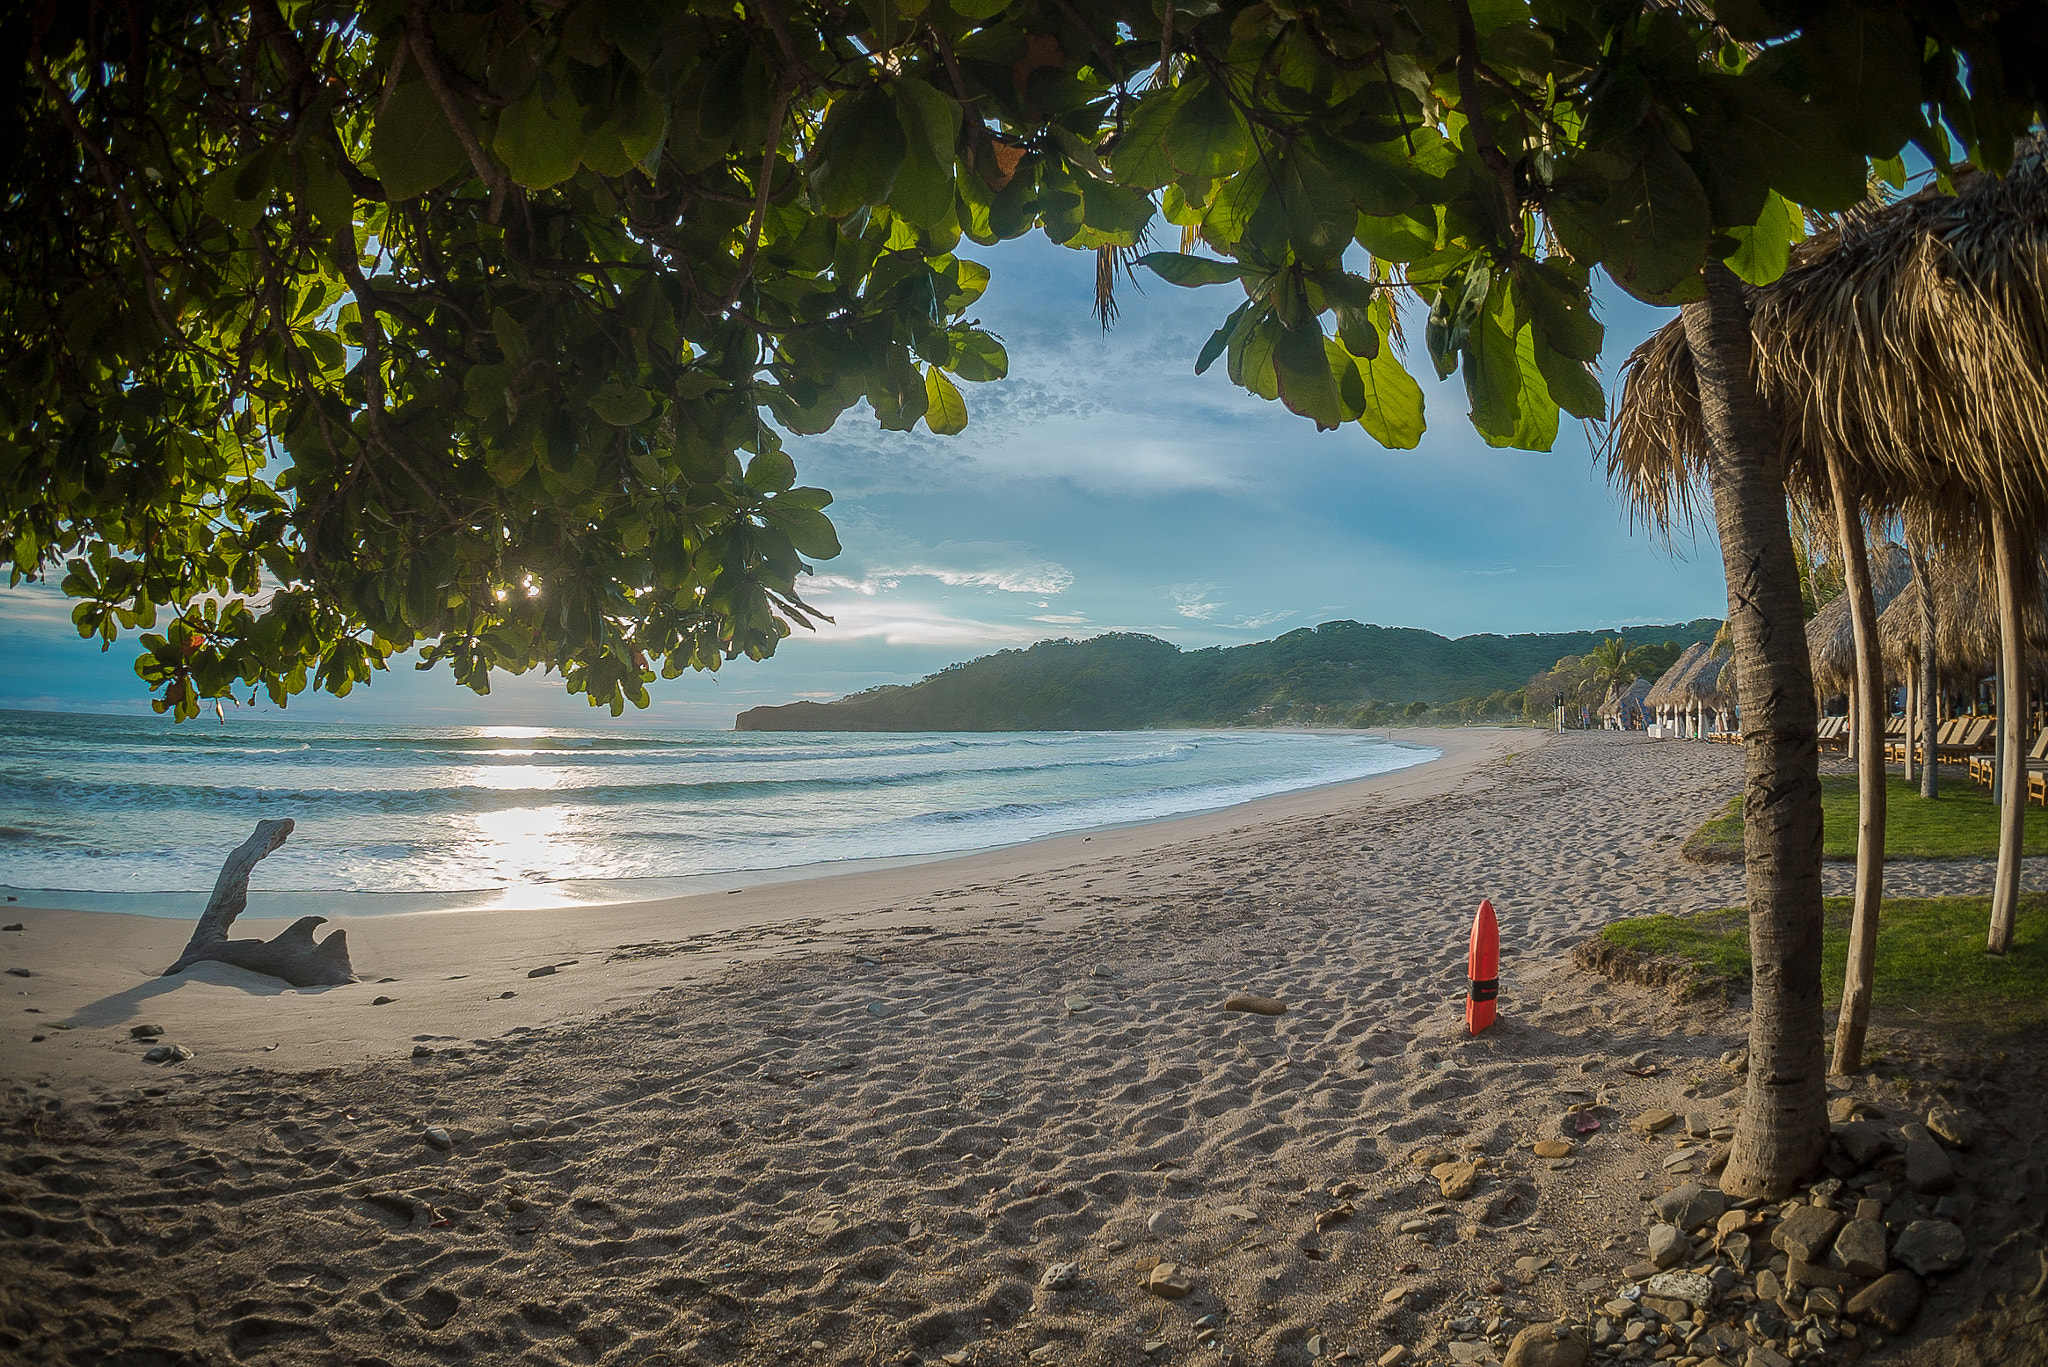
(292, 956)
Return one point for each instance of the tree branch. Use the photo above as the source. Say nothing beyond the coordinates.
(423, 53)
(784, 93)
(1475, 117)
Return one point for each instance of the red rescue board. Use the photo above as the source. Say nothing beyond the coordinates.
(1482, 969)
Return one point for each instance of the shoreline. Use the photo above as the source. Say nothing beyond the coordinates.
(446, 971)
(349, 904)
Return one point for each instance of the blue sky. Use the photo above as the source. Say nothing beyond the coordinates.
(1102, 487)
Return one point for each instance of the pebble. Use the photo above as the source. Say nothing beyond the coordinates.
(1806, 1232)
(1928, 1169)
(1102, 971)
(1168, 1282)
(1651, 1122)
(1161, 1222)
(1262, 1006)
(1691, 1206)
(528, 1129)
(1155, 1346)
(544, 971)
(1394, 1295)
(1667, 1245)
(167, 1053)
(1549, 1345)
(1931, 1246)
(1060, 1276)
(1690, 1287)
(1044, 1353)
(1551, 1148)
(1316, 1345)
(438, 1137)
(1241, 1212)
(1859, 1248)
(1414, 1226)
(503, 995)
(1891, 1302)
(1077, 1003)
(1395, 1356)
(144, 1031)
(1457, 1180)
(383, 1001)
(1951, 1125)
(15, 926)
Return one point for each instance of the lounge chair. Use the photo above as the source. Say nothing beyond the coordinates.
(1947, 733)
(1834, 733)
(1983, 767)
(1895, 747)
(1975, 740)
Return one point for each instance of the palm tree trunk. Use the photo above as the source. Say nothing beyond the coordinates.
(1783, 1132)
(1930, 677)
(2011, 777)
(1869, 712)
(1912, 712)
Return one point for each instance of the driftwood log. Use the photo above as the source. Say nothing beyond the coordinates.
(292, 956)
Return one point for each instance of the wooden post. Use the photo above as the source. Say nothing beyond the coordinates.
(1866, 732)
(2011, 778)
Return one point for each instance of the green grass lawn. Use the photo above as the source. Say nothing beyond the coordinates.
(1959, 824)
(1931, 962)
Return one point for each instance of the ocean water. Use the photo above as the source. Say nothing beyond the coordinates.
(136, 814)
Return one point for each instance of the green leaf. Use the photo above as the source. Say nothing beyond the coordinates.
(1221, 337)
(1209, 139)
(1140, 158)
(1493, 379)
(1303, 369)
(412, 144)
(1393, 401)
(810, 531)
(1535, 409)
(508, 461)
(1400, 238)
(1115, 216)
(945, 411)
(1657, 229)
(978, 357)
(771, 472)
(539, 139)
(1190, 271)
(1553, 293)
(621, 405)
(1864, 62)
(511, 336)
(1569, 382)
(1764, 250)
(858, 153)
(1251, 358)
(1451, 317)
(328, 195)
(923, 188)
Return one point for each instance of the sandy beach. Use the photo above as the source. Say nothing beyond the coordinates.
(948, 1112)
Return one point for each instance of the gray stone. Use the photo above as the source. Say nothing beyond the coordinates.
(1690, 1287)
(1951, 1125)
(1890, 1302)
(167, 1053)
(1928, 1168)
(1060, 1276)
(1667, 1245)
(1801, 1275)
(544, 971)
(1864, 1142)
(1549, 1345)
(1161, 1222)
(1761, 1356)
(1806, 1232)
(1931, 1246)
(1903, 1211)
(1691, 1206)
(1859, 1249)
(144, 1031)
(438, 1138)
(1768, 1287)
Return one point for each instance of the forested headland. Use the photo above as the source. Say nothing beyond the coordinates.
(1337, 674)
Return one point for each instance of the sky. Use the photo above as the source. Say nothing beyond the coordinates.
(1102, 486)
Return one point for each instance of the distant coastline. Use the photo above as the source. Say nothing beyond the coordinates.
(1342, 674)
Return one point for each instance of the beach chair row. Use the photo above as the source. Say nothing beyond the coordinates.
(1983, 768)
(1954, 743)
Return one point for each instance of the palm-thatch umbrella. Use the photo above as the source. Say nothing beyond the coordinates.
(1625, 705)
(1663, 696)
(1904, 355)
(1710, 687)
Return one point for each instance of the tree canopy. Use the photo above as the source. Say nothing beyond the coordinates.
(337, 330)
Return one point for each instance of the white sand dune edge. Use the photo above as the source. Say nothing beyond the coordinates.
(98, 971)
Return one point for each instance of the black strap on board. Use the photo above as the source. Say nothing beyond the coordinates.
(1484, 989)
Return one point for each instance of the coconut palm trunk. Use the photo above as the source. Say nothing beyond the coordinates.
(1783, 1131)
(2012, 732)
(1930, 675)
(1869, 711)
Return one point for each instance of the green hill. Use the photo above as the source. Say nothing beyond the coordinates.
(1124, 681)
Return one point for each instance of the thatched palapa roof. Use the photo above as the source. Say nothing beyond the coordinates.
(1965, 620)
(1664, 693)
(1711, 683)
(1911, 339)
(1831, 635)
(1621, 701)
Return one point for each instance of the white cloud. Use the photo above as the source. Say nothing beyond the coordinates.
(1264, 619)
(1061, 621)
(1193, 600)
(1039, 578)
(34, 604)
(903, 622)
